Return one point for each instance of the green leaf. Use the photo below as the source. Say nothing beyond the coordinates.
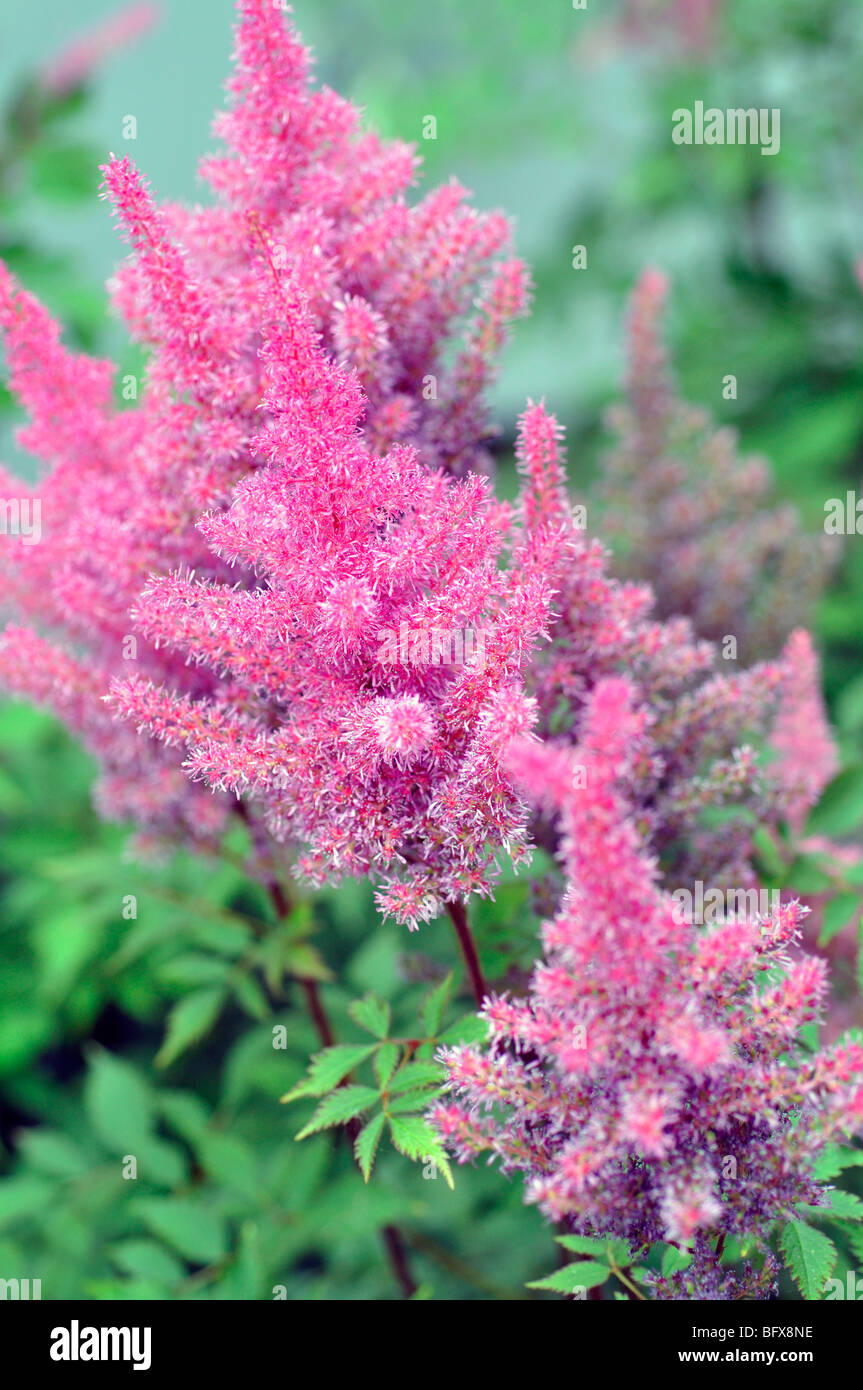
(51, 1152)
(840, 809)
(372, 1014)
(231, 1163)
(365, 1146)
(834, 1158)
(119, 1103)
(336, 1109)
(188, 1022)
(24, 1197)
(841, 1204)
(194, 1230)
(470, 1029)
(414, 1075)
(193, 968)
(584, 1274)
(674, 1260)
(409, 1101)
(837, 914)
(434, 1007)
(144, 1259)
(414, 1137)
(328, 1068)
(250, 996)
(616, 1250)
(810, 1257)
(386, 1060)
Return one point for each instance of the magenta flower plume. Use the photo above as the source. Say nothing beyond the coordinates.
(649, 1087)
(808, 758)
(311, 226)
(690, 517)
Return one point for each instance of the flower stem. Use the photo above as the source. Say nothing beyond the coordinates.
(469, 951)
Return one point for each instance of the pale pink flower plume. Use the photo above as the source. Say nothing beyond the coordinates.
(76, 63)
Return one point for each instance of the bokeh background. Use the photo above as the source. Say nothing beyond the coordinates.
(563, 118)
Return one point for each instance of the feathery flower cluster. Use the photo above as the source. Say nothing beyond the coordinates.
(301, 479)
(688, 516)
(310, 220)
(75, 63)
(649, 1086)
(701, 722)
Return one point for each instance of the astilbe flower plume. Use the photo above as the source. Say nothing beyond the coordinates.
(703, 721)
(650, 1086)
(374, 763)
(686, 514)
(269, 536)
(304, 200)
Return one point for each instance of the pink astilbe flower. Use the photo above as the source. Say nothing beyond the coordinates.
(75, 64)
(696, 757)
(374, 766)
(808, 758)
(649, 1087)
(686, 514)
(299, 487)
(311, 220)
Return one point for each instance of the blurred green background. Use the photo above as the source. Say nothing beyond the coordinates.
(562, 118)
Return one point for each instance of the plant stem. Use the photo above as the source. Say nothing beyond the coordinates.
(468, 950)
(398, 1257)
(317, 1012)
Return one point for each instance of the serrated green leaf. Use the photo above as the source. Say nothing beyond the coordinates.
(810, 1256)
(371, 1013)
(434, 1007)
(189, 1021)
(339, 1107)
(366, 1143)
(386, 1060)
(328, 1068)
(584, 1274)
(834, 1158)
(841, 1204)
(414, 1137)
(410, 1101)
(415, 1075)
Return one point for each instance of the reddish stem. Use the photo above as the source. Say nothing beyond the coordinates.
(469, 952)
(398, 1257)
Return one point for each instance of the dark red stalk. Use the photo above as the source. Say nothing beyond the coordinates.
(469, 952)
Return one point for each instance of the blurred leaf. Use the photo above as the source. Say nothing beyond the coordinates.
(186, 1224)
(188, 1022)
(119, 1103)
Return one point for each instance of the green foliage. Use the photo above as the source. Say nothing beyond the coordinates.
(406, 1079)
(810, 1256)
